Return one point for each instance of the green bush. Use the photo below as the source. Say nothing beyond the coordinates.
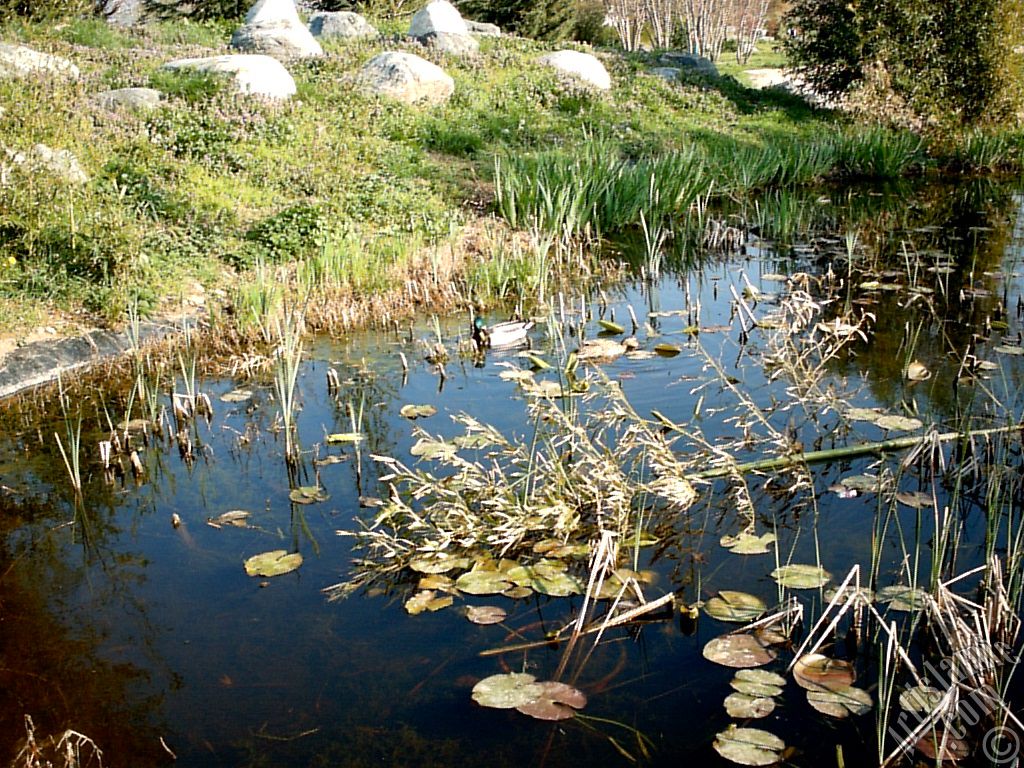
(292, 233)
(952, 63)
(537, 19)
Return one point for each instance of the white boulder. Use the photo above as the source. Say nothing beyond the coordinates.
(273, 27)
(136, 99)
(583, 67)
(253, 74)
(437, 16)
(340, 25)
(22, 61)
(407, 77)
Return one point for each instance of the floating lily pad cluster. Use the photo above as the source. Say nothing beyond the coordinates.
(754, 692)
(546, 700)
(829, 686)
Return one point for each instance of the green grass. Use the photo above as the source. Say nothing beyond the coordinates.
(211, 182)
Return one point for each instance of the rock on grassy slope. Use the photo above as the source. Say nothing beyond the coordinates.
(346, 190)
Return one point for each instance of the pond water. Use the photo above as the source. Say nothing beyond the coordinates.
(153, 640)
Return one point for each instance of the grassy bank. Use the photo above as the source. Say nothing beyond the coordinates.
(368, 206)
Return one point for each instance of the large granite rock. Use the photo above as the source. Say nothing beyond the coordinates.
(273, 27)
(582, 67)
(407, 77)
(437, 16)
(453, 45)
(482, 28)
(123, 13)
(691, 62)
(440, 25)
(22, 61)
(132, 99)
(253, 74)
(342, 25)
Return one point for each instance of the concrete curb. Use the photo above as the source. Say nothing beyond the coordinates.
(41, 362)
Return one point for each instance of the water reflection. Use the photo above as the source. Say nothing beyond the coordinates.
(132, 630)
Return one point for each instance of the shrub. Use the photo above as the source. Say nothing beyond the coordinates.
(290, 233)
(537, 19)
(950, 63)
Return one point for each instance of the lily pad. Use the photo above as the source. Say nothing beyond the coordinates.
(863, 483)
(440, 563)
(816, 672)
(516, 374)
(1006, 349)
(915, 499)
(433, 449)
(482, 582)
(902, 598)
(748, 544)
(546, 578)
(236, 396)
(862, 414)
(840, 702)
(414, 412)
(921, 698)
(848, 593)
(899, 423)
(485, 614)
(436, 581)
(918, 371)
(611, 327)
(762, 676)
(667, 350)
(538, 362)
(738, 607)
(738, 651)
(308, 494)
(344, 437)
(273, 563)
(800, 576)
(754, 688)
(427, 600)
(951, 748)
(749, 746)
(557, 701)
(743, 705)
(517, 593)
(509, 691)
(236, 518)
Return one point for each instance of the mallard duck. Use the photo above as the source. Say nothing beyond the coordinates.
(505, 334)
(604, 350)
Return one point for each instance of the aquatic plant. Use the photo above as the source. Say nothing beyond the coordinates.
(71, 453)
(879, 153)
(287, 356)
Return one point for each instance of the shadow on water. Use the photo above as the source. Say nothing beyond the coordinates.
(149, 636)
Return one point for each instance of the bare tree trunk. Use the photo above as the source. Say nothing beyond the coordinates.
(628, 18)
(705, 26)
(662, 15)
(748, 19)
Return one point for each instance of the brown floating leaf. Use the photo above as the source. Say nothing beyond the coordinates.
(738, 651)
(557, 701)
(952, 748)
(820, 673)
(485, 614)
(918, 371)
(413, 412)
(427, 600)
